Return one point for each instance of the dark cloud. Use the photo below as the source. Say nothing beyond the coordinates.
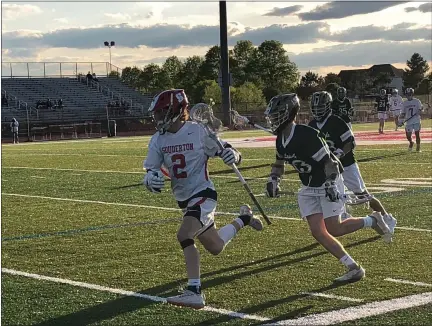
(410, 9)
(342, 9)
(286, 11)
(298, 34)
(400, 32)
(362, 54)
(426, 7)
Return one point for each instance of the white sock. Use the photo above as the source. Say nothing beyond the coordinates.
(368, 220)
(194, 282)
(347, 261)
(227, 232)
(239, 221)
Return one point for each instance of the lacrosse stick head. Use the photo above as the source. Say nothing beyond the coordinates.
(238, 119)
(203, 113)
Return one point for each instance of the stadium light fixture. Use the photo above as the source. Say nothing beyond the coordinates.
(109, 45)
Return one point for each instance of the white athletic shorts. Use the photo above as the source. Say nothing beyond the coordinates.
(382, 115)
(413, 127)
(203, 209)
(395, 113)
(313, 201)
(353, 179)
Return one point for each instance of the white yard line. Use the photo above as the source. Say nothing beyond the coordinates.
(125, 293)
(37, 177)
(332, 296)
(172, 209)
(407, 282)
(167, 208)
(363, 311)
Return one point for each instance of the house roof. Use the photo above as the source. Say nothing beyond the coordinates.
(374, 70)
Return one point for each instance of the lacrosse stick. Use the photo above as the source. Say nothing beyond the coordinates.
(243, 121)
(203, 114)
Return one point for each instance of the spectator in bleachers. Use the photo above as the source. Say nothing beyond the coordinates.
(14, 128)
(4, 101)
(89, 77)
(60, 104)
(49, 104)
(94, 77)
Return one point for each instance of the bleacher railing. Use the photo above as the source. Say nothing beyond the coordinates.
(56, 69)
(19, 104)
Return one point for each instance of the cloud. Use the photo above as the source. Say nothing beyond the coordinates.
(426, 7)
(118, 16)
(339, 9)
(61, 20)
(362, 54)
(286, 11)
(14, 11)
(400, 32)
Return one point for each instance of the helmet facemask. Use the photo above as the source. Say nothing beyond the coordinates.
(341, 93)
(281, 110)
(320, 112)
(164, 118)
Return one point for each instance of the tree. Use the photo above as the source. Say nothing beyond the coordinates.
(131, 76)
(416, 71)
(247, 95)
(332, 78)
(173, 67)
(189, 74)
(425, 86)
(332, 89)
(154, 79)
(270, 65)
(198, 92)
(114, 74)
(210, 67)
(309, 83)
(212, 91)
(242, 54)
(381, 81)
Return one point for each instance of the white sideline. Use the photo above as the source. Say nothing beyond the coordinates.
(131, 205)
(327, 318)
(126, 293)
(395, 280)
(363, 311)
(171, 208)
(332, 296)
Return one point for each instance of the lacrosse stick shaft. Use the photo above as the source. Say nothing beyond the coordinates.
(243, 182)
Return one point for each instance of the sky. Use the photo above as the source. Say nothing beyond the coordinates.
(318, 36)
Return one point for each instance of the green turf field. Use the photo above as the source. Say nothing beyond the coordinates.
(69, 212)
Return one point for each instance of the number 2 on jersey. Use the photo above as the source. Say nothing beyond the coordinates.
(179, 163)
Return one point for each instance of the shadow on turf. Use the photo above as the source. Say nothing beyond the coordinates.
(114, 308)
(380, 157)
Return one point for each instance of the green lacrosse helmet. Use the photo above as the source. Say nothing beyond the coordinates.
(281, 110)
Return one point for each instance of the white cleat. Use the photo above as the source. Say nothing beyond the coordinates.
(382, 227)
(255, 222)
(353, 275)
(188, 299)
(391, 222)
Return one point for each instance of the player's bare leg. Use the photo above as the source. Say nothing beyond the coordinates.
(319, 231)
(396, 121)
(417, 134)
(409, 137)
(381, 126)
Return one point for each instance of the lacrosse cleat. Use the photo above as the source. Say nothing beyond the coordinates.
(354, 274)
(410, 147)
(188, 299)
(391, 222)
(255, 222)
(381, 226)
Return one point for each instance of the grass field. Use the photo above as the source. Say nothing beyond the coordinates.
(68, 213)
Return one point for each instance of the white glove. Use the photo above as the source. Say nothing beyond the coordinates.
(154, 181)
(229, 156)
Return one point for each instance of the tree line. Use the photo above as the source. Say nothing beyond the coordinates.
(258, 74)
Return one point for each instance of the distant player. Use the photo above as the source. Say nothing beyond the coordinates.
(184, 147)
(341, 142)
(411, 110)
(382, 107)
(342, 107)
(396, 104)
(14, 125)
(319, 171)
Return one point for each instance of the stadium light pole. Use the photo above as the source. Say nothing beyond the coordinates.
(226, 97)
(109, 45)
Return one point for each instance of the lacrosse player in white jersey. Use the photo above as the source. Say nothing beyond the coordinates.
(184, 147)
(396, 105)
(410, 116)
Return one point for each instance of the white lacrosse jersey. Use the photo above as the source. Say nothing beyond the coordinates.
(183, 155)
(396, 103)
(412, 109)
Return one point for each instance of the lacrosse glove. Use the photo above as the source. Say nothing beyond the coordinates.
(332, 193)
(154, 181)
